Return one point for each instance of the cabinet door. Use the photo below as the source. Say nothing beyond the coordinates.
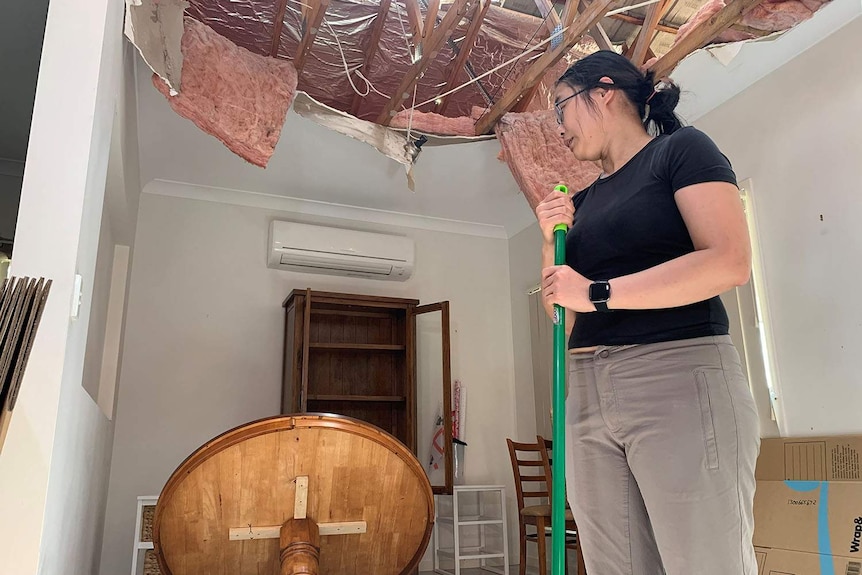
(306, 344)
(433, 381)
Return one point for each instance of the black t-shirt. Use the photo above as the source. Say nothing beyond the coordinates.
(628, 222)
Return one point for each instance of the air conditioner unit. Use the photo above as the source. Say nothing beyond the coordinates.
(335, 251)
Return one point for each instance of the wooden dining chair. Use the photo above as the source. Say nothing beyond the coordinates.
(572, 541)
(531, 464)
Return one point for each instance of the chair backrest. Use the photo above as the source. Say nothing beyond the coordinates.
(546, 449)
(529, 469)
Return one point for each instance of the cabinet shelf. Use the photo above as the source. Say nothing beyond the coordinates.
(360, 398)
(357, 346)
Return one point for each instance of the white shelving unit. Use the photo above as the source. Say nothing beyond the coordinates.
(478, 521)
(140, 547)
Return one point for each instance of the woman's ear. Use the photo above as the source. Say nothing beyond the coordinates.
(606, 95)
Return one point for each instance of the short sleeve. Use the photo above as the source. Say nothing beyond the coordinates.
(693, 158)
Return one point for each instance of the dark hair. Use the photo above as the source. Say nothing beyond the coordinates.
(654, 106)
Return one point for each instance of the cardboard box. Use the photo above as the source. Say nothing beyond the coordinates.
(783, 562)
(809, 516)
(810, 459)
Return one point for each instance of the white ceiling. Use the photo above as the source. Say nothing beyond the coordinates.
(463, 182)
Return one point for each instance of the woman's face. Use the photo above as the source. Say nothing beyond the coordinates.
(581, 126)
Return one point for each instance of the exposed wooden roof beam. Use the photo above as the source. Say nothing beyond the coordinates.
(756, 32)
(601, 37)
(310, 25)
(430, 48)
(534, 73)
(674, 29)
(572, 8)
(414, 17)
(281, 8)
(549, 14)
(371, 48)
(464, 51)
(647, 32)
(597, 32)
(430, 18)
(702, 34)
(570, 11)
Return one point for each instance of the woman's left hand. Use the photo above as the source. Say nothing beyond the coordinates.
(564, 286)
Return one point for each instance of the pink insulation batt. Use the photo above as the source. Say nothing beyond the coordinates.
(431, 123)
(769, 16)
(239, 97)
(538, 158)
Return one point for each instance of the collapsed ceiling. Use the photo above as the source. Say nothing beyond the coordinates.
(459, 67)
(376, 39)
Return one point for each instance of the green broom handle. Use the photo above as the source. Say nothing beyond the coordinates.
(558, 511)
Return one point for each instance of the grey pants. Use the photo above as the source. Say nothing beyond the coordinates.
(662, 441)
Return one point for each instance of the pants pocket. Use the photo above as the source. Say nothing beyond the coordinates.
(706, 419)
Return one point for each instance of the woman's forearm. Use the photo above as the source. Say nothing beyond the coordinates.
(688, 279)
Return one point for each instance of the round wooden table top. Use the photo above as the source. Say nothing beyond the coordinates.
(246, 478)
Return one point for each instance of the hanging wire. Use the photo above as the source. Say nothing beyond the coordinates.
(489, 72)
(523, 51)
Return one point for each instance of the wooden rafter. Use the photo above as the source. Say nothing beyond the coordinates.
(414, 17)
(430, 18)
(549, 14)
(569, 13)
(281, 8)
(371, 48)
(702, 34)
(430, 48)
(311, 20)
(601, 37)
(534, 73)
(674, 29)
(597, 32)
(648, 29)
(464, 51)
(640, 21)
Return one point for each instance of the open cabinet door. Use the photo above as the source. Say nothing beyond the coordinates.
(430, 324)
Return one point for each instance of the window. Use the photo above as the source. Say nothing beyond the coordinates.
(756, 329)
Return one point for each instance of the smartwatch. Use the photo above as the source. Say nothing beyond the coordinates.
(600, 293)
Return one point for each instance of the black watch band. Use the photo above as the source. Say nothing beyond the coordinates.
(600, 293)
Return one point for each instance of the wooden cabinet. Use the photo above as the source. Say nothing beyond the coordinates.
(355, 355)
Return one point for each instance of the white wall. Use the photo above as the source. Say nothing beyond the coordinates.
(798, 134)
(49, 467)
(205, 328)
(54, 466)
(525, 267)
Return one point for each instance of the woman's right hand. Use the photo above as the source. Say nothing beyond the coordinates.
(556, 208)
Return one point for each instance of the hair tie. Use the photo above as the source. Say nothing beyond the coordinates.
(651, 95)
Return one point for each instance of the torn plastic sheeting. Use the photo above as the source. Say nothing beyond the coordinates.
(155, 28)
(390, 141)
(239, 97)
(386, 141)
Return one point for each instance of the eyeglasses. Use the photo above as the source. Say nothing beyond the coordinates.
(558, 106)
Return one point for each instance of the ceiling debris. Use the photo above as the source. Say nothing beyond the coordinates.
(239, 97)
(431, 123)
(155, 27)
(388, 142)
(436, 72)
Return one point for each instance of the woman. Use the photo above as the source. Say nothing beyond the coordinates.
(662, 430)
